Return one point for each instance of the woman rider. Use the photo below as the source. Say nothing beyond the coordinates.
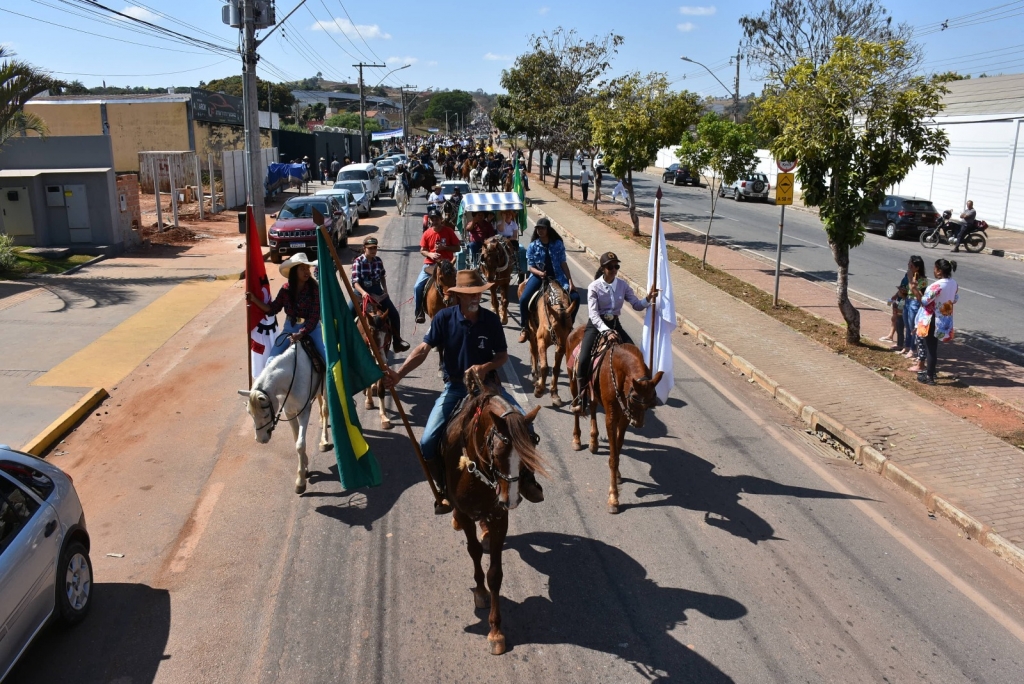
(605, 297)
(545, 258)
(300, 299)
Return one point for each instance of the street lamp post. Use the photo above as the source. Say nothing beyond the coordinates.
(362, 105)
(735, 96)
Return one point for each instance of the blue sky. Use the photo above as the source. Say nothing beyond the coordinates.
(456, 45)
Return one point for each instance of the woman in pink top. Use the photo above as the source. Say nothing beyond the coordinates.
(935, 317)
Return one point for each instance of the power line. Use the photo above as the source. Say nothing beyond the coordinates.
(321, 24)
(164, 73)
(996, 13)
(176, 21)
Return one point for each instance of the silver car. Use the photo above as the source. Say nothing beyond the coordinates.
(387, 168)
(45, 571)
(348, 205)
(360, 192)
(746, 187)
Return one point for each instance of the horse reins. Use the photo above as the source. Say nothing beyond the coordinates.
(495, 474)
(312, 395)
(620, 397)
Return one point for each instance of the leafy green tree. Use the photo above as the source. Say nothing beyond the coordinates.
(634, 116)
(19, 82)
(855, 135)
(721, 151)
(453, 101)
(281, 94)
(351, 120)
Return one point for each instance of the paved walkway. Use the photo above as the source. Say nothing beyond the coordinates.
(973, 470)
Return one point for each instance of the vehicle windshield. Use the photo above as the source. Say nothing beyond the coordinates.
(386, 162)
(758, 177)
(302, 209)
(355, 187)
(918, 205)
(354, 174)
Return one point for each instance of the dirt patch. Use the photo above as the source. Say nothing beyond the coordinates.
(950, 392)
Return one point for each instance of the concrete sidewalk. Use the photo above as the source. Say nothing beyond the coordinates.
(957, 469)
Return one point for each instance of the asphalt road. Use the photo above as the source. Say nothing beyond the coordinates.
(990, 314)
(741, 553)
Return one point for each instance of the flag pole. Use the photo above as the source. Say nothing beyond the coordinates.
(319, 220)
(248, 333)
(655, 243)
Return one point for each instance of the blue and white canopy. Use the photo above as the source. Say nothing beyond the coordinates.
(492, 201)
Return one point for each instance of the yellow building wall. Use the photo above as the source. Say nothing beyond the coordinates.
(68, 119)
(146, 127)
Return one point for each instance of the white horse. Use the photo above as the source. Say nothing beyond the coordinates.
(475, 179)
(401, 196)
(285, 391)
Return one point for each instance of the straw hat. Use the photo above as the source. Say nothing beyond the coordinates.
(295, 260)
(469, 282)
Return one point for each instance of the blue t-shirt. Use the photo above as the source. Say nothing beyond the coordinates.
(465, 343)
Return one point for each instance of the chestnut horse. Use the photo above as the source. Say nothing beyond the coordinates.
(380, 328)
(549, 322)
(467, 166)
(497, 257)
(624, 388)
(485, 446)
(436, 296)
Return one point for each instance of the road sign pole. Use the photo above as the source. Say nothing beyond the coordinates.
(778, 255)
(783, 196)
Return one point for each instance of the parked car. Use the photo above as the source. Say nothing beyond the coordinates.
(746, 187)
(360, 192)
(45, 570)
(348, 205)
(366, 172)
(387, 167)
(599, 163)
(400, 158)
(677, 173)
(898, 215)
(294, 230)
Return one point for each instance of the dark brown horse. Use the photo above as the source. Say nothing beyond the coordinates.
(549, 322)
(624, 388)
(486, 445)
(497, 258)
(422, 177)
(467, 166)
(380, 327)
(437, 297)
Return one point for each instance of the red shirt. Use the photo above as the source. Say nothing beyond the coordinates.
(437, 239)
(480, 230)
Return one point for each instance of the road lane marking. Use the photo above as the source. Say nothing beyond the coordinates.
(200, 519)
(976, 292)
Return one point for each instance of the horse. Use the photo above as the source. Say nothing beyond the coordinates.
(285, 391)
(380, 328)
(449, 169)
(437, 297)
(467, 168)
(485, 445)
(624, 388)
(491, 179)
(548, 322)
(423, 177)
(401, 196)
(497, 258)
(476, 178)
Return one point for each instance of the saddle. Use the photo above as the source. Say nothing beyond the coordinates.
(314, 356)
(552, 289)
(597, 357)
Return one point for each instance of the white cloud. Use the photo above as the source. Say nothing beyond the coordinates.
(686, 26)
(140, 13)
(543, 10)
(692, 11)
(351, 30)
(432, 62)
(401, 60)
(491, 57)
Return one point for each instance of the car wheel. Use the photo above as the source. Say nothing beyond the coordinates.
(275, 257)
(74, 584)
(737, 196)
(721, 191)
(890, 230)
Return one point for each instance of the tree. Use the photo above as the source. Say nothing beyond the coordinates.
(721, 151)
(19, 82)
(792, 30)
(315, 112)
(453, 101)
(635, 116)
(351, 120)
(281, 94)
(855, 135)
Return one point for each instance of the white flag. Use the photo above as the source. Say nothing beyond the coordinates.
(664, 309)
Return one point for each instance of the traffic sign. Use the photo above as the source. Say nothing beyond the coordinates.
(784, 189)
(786, 166)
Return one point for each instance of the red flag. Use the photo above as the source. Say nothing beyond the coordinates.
(262, 328)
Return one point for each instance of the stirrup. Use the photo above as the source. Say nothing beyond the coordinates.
(442, 508)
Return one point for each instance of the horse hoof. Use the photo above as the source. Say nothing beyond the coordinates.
(326, 447)
(593, 447)
(556, 401)
(481, 599)
(369, 406)
(576, 446)
(300, 486)
(497, 644)
(538, 392)
(386, 425)
(613, 508)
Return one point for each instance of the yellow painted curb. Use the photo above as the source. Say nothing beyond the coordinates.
(119, 351)
(58, 427)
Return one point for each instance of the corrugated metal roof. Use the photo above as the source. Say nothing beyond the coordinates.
(111, 99)
(990, 95)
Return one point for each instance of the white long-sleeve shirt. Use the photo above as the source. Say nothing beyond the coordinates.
(605, 299)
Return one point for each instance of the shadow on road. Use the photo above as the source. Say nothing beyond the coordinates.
(607, 603)
(122, 640)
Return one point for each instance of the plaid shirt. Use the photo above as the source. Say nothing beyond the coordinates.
(367, 271)
(307, 305)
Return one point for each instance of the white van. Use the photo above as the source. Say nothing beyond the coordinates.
(364, 172)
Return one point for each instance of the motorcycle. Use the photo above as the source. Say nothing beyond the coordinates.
(946, 231)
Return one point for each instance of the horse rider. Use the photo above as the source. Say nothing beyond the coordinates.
(508, 227)
(436, 195)
(478, 230)
(473, 341)
(605, 297)
(369, 280)
(439, 241)
(300, 299)
(545, 259)
(456, 195)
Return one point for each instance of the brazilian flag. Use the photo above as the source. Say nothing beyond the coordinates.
(351, 368)
(517, 187)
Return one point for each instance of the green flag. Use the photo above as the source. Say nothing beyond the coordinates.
(517, 187)
(351, 368)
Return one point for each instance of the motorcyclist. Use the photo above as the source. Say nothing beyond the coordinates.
(968, 222)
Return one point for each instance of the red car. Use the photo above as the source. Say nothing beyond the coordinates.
(294, 230)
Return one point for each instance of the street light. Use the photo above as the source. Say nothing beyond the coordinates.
(362, 106)
(735, 97)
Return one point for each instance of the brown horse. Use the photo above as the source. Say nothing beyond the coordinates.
(380, 327)
(485, 446)
(624, 388)
(467, 167)
(549, 322)
(497, 257)
(437, 297)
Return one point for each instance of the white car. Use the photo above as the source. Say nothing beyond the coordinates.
(348, 205)
(45, 570)
(360, 193)
(363, 172)
(387, 168)
(746, 187)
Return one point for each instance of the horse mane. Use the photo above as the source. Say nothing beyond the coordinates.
(519, 433)
(635, 358)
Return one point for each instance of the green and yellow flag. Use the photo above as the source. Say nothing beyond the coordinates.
(517, 187)
(351, 368)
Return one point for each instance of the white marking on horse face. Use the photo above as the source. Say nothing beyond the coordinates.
(513, 487)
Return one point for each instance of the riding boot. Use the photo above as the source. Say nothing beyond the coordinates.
(529, 487)
(399, 345)
(436, 467)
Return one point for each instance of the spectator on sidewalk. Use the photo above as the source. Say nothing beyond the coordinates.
(935, 318)
(620, 189)
(916, 283)
(323, 171)
(897, 328)
(548, 161)
(335, 167)
(584, 181)
(969, 218)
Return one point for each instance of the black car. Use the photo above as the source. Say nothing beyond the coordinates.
(898, 216)
(677, 173)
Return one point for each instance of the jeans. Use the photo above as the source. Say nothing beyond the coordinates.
(446, 402)
(961, 234)
(910, 310)
(290, 328)
(586, 189)
(421, 282)
(590, 335)
(474, 252)
(931, 350)
(532, 285)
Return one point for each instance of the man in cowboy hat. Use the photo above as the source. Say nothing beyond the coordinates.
(369, 280)
(473, 341)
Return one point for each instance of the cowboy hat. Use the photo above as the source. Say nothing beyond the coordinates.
(469, 282)
(295, 260)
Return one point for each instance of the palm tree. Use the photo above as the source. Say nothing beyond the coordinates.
(19, 82)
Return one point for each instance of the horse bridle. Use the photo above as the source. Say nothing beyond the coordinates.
(625, 403)
(446, 299)
(504, 248)
(312, 394)
(495, 475)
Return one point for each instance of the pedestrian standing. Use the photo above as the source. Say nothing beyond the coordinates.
(584, 181)
(618, 190)
(323, 170)
(935, 318)
(916, 284)
(335, 167)
(548, 161)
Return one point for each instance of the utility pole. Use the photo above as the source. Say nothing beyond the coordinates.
(362, 109)
(405, 117)
(252, 118)
(736, 92)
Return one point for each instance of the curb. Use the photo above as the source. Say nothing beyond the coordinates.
(864, 454)
(57, 428)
